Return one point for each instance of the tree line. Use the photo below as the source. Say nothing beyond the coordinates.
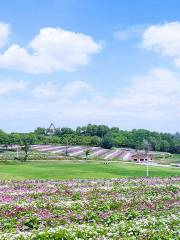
(96, 135)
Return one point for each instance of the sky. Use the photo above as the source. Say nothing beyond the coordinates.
(74, 62)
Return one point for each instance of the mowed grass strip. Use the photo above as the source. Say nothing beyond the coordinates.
(55, 170)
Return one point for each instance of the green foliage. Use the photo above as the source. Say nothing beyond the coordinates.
(87, 153)
(97, 135)
(108, 141)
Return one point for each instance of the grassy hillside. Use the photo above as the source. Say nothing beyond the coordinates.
(55, 170)
(175, 158)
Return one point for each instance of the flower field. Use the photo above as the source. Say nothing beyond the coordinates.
(127, 208)
(79, 151)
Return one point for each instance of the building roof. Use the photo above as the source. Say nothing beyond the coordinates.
(141, 155)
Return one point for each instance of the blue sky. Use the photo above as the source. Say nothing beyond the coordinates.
(78, 62)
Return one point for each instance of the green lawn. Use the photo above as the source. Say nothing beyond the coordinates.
(175, 158)
(55, 170)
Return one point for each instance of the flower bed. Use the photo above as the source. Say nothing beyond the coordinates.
(139, 208)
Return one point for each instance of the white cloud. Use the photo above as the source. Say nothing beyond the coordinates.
(130, 32)
(155, 94)
(7, 86)
(47, 89)
(4, 33)
(67, 93)
(150, 101)
(51, 50)
(74, 88)
(164, 38)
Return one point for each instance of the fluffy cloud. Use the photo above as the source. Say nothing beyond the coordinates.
(164, 38)
(74, 88)
(155, 94)
(51, 50)
(4, 33)
(11, 86)
(47, 89)
(150, 98)
(150, 101)
(130, 32)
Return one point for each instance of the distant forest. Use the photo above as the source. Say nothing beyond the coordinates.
(96, 135)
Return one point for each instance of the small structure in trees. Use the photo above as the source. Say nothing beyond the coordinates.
(51, 129)
(143, 156)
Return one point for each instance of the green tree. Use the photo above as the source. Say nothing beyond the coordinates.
(66, 130)
(26, 149)
(40, 131)
(107, 141)
(87, 153)
(102, 130)
(165, 145)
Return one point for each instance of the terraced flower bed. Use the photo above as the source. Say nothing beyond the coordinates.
(79, 151)
(139, 208)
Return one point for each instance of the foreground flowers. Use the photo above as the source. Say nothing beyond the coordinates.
(140, 208)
